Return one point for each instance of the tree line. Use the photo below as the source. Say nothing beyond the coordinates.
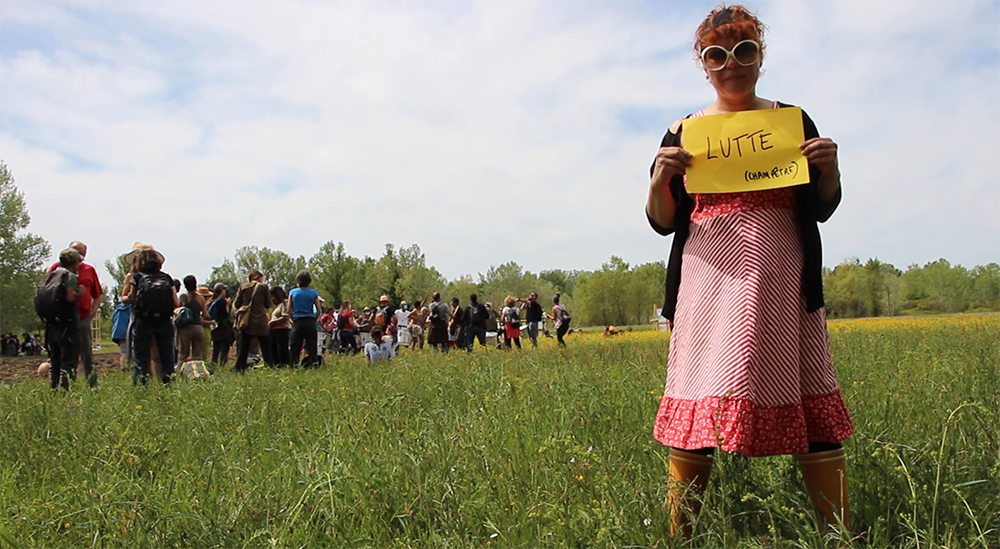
(618, 293)
(874, 288)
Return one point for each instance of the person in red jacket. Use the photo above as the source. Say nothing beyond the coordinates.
(87, 305)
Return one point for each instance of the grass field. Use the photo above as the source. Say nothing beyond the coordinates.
(542, 448)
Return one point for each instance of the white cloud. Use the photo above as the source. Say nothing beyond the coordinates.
(484, 132)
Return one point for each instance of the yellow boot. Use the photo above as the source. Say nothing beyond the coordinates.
(688, 477)
(825, 477)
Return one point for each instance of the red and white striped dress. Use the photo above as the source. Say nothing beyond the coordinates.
(749, 370)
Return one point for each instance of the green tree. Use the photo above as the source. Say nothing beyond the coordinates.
(564, 282)
(21, 258)
(985, 287)
(602, 297)
(384, 277)
(843, 290)
(227, 274)
(117, 269)
(507, 279)
(335, 272)
(646, 287)
(880, 288)
(462, 287)
(278, 267)
(937, 287)
(417, 280)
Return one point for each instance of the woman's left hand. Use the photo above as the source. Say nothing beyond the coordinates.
(822, 153)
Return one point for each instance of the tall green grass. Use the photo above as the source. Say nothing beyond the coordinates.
(546, 448)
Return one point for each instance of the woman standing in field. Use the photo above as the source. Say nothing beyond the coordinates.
(279, 327)
(749, 369)
(511, 322)
(223, 334)
(251, 307)
(191, 335)
(560, 318)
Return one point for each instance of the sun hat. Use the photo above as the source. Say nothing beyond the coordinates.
(203, 291)
(139, 246)
(383, 298)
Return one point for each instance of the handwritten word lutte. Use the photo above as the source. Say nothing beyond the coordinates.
(750, 142)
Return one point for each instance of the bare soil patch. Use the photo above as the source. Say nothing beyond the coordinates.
(18, 368)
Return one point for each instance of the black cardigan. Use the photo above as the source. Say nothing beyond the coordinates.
(810, 210)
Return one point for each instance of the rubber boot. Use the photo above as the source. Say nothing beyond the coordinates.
(825, 477)
(688, 477)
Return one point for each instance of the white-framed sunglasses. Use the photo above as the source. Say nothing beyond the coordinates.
(746, 53)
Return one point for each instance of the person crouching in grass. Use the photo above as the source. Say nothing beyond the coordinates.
(378, 349)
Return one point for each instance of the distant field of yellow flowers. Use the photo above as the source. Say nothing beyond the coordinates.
(544, 447)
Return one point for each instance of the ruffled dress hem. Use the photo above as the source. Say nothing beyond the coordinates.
(738, 424)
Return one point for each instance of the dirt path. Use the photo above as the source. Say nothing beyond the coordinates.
(14, 369)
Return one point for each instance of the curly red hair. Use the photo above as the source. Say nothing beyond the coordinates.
(733, 22)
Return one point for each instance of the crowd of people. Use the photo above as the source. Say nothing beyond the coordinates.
(28, 345)
(160, 323)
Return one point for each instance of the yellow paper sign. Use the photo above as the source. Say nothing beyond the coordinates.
(745, 151)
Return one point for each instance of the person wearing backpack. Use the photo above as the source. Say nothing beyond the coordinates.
(250, 312)
(440, 316)
(223, 334)
(86, 306)
(383, 315)
(191, 319)
(153, 298)
(511, 322)
(560, 316)
(476, 317)
(55, 303)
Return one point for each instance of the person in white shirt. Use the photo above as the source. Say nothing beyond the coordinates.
(378, 349)
(401, 318)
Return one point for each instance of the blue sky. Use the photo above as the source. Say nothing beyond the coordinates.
(483, 131)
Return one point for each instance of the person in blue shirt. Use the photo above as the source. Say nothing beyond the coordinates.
(305, 304)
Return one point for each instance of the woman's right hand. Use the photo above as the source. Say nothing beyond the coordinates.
(669, 161)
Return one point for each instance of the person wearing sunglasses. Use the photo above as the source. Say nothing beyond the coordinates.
(749, 366)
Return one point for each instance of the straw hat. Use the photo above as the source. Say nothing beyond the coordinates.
(203, 291)
(139, 246)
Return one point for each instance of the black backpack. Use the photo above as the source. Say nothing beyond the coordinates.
(513, 315)
(439, 317)
(185, 315)
(154, 295)
(50, 299)
(564, 315)
(477, 314)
